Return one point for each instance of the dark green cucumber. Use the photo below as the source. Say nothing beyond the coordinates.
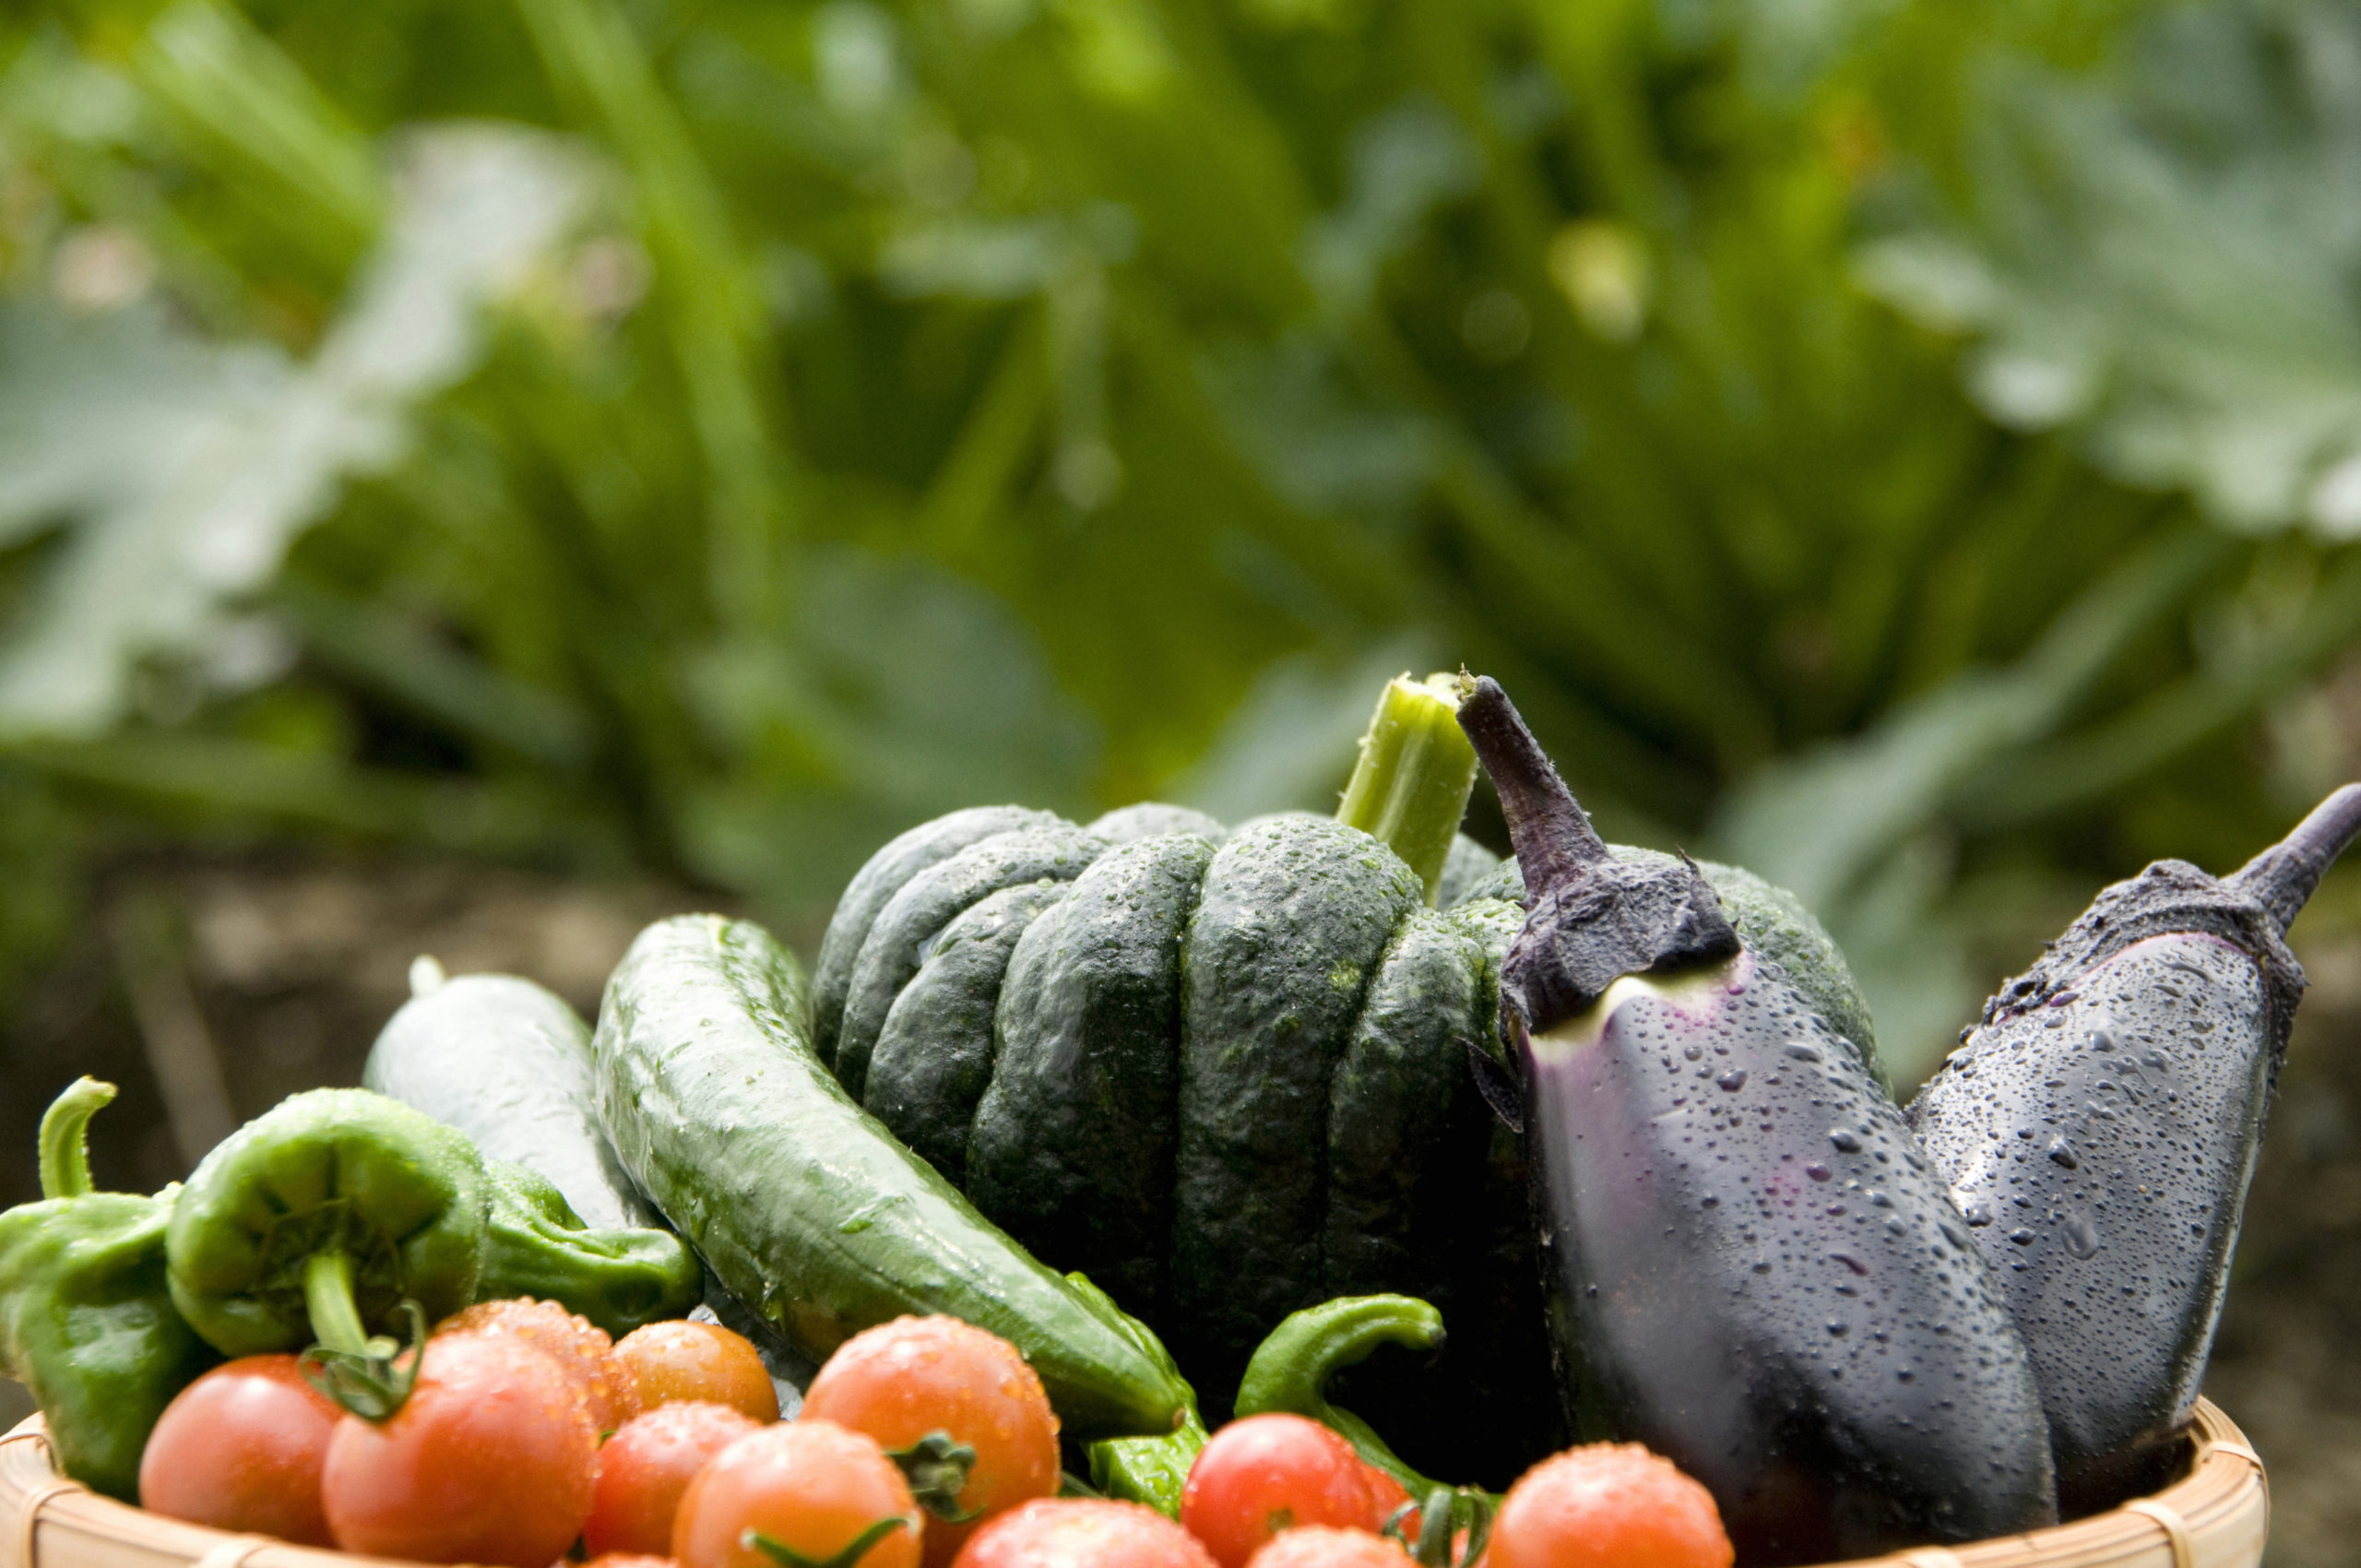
(1292, 919)
(934, 1057)
(507, 1064)
(900, 938)
(814, 1214)
(1072, 1145)
(874, 885)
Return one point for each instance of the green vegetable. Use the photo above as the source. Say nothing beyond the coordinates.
(86, 1320)
(1410, 788)
(801, 1203)
(334, 1211)
(619, 1278)
(1291, 1369)
(507, 1064)
(1148, 1470)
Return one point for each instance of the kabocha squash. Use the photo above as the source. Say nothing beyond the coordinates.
(1226, 1074)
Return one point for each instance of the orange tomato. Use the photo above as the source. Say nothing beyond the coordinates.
(903, 1379)
(1609, 1505)
(1325, 1546)
(240, 1449)
(490, 1461)
(647, 1466)
(811, 1486)
(671, 1362)
(579, 1347)
(1082, 1532)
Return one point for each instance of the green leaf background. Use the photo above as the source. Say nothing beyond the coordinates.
(1912, 448)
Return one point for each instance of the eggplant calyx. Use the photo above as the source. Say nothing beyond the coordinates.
(1593, 918)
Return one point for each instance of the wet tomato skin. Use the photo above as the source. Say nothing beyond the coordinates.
(1268, 1473)
(902, 1380)
(810, 1485)
(491, 1461)
(580, 1347)
(680, 1360)
(1609, 1505)
(1082, 1532)
(647, 1466)
(241, 1449)
(1325, 1546)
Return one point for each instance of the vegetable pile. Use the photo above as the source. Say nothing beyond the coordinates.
(1287, 1098)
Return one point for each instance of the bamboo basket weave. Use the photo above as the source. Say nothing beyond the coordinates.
(2215, 1516)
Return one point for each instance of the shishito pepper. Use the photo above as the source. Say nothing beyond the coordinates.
(619, 1277)
(335, 1212)
(86, 1320)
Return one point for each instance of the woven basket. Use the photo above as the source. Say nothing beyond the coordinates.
(2215, 1516)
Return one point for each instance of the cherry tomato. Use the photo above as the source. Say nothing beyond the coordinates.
(1270, 1473)
(1387, 1496)
(1083, 1532)
(579, 1347)
(902, 1380)
(240, 1449)
(1325, 1546)
(629, 1560)
(1609, 1505)
(811, 1486)
(490, 1461)
(647, 1464)
(697, 1360)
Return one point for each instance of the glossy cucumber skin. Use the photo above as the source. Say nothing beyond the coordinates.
(1755, 1271)
(2100, 1147)
(508, 1064)
(808, 1210)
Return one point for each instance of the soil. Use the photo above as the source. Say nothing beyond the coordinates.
(241, 980)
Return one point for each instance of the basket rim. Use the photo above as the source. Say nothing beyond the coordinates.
(2225, 1492)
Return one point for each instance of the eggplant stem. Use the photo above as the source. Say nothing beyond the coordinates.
(2284, 877)
(64, 1137)
(1553, 838)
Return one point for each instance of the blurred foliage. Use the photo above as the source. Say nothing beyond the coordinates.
(1909, 446)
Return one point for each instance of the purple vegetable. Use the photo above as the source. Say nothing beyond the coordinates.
(1751, 1266)
(2099, 1127)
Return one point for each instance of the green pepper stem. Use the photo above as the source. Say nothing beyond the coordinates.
(1291, 1368)
(327, 1297)
(64, 1137)
(1417, 769)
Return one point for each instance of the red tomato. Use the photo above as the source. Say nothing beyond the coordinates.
(646, 1466)
(901, 1380)
(1082, 1532)
(1270, 1473)
(697, 1360)
(811, 1486)
(1386, 1496)
(490, 1461)
(579, 1347)
(240, 1449)
(1609, 1505)
(1324, 1545)
(629, 1560)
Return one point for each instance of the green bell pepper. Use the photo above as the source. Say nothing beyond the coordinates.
(85, 1319)
(334, 1212)
(618, 1279)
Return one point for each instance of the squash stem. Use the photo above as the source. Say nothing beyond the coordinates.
(1410, 788)
(64, 1138)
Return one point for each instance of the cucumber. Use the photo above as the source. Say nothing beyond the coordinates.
(507, 1064)
(801, 1203)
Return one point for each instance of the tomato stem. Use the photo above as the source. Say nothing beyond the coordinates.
(936, 1465)
(786, 1556)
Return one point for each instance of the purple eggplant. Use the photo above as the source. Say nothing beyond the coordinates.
(2098, 1128)
(1751, 1267)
